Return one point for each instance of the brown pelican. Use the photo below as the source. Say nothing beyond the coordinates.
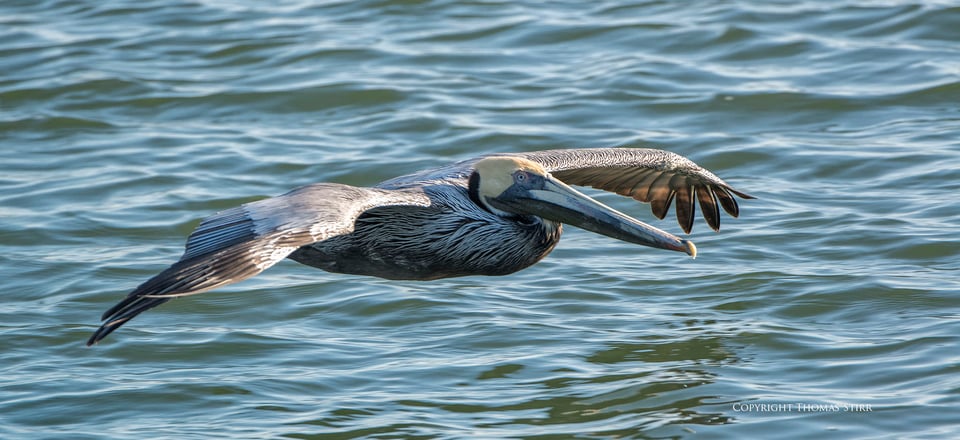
(491, 215)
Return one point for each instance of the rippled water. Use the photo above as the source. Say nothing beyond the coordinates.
(831, 308)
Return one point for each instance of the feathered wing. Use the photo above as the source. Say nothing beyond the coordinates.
(241, 242)
(653, 176)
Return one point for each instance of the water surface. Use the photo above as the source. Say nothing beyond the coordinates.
(829, 309)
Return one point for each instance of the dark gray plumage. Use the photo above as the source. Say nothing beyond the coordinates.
(491, 215)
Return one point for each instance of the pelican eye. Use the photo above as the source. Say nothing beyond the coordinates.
(521, 176)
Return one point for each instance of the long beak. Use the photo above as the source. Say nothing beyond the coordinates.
(559, 202)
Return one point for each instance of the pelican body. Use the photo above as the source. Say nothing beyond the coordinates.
(491, 215)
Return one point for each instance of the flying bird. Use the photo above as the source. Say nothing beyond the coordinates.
(490, 215)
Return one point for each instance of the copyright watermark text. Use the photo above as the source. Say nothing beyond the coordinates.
(802, 407)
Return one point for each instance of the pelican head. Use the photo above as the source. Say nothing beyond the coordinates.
(511, 186)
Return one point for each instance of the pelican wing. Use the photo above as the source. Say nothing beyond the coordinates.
(653, 176)
(241, 242)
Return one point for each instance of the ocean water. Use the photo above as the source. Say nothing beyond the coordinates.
(829, 309)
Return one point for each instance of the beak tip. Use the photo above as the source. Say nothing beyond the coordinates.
(691, 249)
